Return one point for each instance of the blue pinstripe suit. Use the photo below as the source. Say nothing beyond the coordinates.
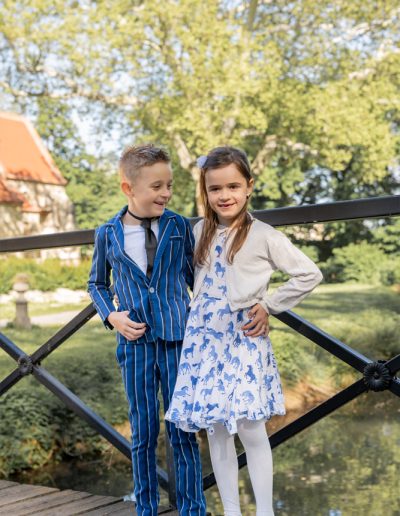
(162, 303)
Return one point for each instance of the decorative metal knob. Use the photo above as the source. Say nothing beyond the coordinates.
(377, 376)
(25, 365)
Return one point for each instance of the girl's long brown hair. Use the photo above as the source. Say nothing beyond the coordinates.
(218, 158)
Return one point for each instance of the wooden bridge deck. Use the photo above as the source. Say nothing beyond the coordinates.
(23, 499)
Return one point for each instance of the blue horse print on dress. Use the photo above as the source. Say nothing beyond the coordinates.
(227, 354)
(224, 375)
(184, 368)
(235, 363)
(194, 313)
(230, 329)
(219, 270)
(223, 289)
(182, 393)
(206, 392)
(209, 376)
(216, 334)
(207, 317)
(223, 311)
(193, 330)
(209, 301)
(250, 376)
(189, 351)
(208, 281)
(212, 355)
(204, 346)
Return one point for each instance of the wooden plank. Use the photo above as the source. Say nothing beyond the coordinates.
(25, 499)
(81, 506)
(126, 509)
(120, 508)
(21, 492)
(7, 483)
(41, 503)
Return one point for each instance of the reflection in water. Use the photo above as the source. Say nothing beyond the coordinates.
(344, 465)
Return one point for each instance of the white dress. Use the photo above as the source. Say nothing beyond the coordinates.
(223, 375)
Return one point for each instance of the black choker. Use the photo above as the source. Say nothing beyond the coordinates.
(141, 218)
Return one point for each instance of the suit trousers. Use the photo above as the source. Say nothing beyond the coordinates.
(144, 368)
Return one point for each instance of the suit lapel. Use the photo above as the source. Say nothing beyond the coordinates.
(166, 225)
(118, 246)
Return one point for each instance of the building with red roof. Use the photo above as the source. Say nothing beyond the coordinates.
(33, 199)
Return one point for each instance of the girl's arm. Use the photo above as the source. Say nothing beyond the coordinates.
(305, 275)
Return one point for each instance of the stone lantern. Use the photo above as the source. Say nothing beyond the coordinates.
(21, 286)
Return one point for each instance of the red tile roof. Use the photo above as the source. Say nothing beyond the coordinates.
(9, 196)
(22, 153)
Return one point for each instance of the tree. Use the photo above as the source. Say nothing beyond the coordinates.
(93, 186)
(308, 89)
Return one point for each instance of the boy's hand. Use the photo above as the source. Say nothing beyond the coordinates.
(131, 330)
(259, 324)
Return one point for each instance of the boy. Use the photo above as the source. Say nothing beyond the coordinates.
(149, 251)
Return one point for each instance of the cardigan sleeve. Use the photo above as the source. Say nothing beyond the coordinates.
(197, 229)
(304, 274)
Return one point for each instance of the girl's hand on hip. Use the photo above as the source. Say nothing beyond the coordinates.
(131, 330)
(259, 324)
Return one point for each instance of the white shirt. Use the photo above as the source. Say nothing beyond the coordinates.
(134, 243)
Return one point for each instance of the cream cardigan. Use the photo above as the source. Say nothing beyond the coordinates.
(247, 278)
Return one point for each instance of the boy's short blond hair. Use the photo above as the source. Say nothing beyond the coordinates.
(135, 157)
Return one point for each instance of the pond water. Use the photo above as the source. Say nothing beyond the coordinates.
(347, 464)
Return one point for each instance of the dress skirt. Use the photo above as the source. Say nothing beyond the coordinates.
(223, 375)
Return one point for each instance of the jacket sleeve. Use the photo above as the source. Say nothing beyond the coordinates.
(305, 275)
(189, 247)
(99, 280)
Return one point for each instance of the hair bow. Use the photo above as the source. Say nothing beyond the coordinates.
(201, 161)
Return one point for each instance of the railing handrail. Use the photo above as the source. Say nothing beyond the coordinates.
(372, 207)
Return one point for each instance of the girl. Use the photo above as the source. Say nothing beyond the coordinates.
(228, 381)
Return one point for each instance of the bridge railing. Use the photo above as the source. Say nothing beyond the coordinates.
(374, 375)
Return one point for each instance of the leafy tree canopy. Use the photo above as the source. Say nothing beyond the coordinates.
(310, 90)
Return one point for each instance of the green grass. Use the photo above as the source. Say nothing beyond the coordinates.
(366, 318)
(363, 316)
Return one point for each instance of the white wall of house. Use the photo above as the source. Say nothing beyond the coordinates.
(52, 198)
(11, 220)
(58, 216)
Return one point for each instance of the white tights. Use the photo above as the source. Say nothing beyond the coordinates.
(259, 461)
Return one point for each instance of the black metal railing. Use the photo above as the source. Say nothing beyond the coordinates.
(375, 376)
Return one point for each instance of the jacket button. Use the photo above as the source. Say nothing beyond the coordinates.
(151, 290)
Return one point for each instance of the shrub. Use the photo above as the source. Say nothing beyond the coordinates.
(361, 263)
(47, 275)
(35, 426)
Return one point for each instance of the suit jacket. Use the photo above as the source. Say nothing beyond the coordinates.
(162, 302)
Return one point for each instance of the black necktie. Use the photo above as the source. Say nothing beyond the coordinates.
(150, 242)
